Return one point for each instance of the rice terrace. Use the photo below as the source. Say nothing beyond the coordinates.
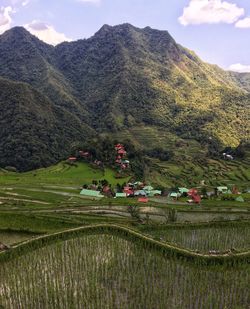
(124, 155)
(66, 250)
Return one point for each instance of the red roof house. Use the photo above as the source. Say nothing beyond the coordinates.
(122, 152)
(72, 159)
(119, 146)
(83, 153)
(106, 189)
(143, 200)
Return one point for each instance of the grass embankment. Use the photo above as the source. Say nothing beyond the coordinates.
(129, 234)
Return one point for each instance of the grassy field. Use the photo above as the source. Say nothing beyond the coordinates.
(61, 174)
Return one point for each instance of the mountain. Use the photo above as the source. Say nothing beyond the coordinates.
(128, 76)
(120, 80)
(25, 58)
(33, 131)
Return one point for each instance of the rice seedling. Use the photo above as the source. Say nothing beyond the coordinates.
(206, 239)
(95, 270)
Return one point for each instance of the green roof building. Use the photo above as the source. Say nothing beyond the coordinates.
(120, 195)
(148, 188)
(174, 195)
(154, 192)
(223, 190)
(91, 193)
(140, 192)
(183, 190)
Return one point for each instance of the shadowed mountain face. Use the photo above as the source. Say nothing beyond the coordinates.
(120, 78)
(33, 131)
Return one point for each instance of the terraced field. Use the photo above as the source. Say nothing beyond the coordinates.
(213, 174)
(13, 237)
(109, 271)
(112, 268)
(205, 239)
(187, 165)
(61, 174)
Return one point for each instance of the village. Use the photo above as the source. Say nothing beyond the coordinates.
(144, 192)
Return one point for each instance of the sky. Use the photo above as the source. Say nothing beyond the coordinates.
(217, 30)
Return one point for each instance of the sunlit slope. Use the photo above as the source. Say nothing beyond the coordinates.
(121, 78)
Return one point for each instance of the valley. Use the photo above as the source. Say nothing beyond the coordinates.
(124, 174)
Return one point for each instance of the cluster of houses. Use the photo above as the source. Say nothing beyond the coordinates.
(82, 154)
(136, 189)
(144, 192)
(121, 160)
(194, 196)
(223, 190)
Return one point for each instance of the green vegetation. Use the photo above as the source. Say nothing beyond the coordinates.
(146, 81)
(10, 237)
(68, 177)
(176, 116)
(74, 270)
(204, 238)
(32, 128)
(94, 261)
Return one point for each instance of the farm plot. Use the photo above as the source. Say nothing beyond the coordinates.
(206, 239)
(105, 271)
(12, 237)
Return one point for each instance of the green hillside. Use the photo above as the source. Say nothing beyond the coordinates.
(62, 174)
(121, 79)
(128, 76)
(33, 131)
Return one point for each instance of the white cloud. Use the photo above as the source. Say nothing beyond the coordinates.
(46, 32)
(238, 67)
(5, 18)
(210, 12)
(243, 23)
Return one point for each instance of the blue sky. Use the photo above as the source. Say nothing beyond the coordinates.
(215, 29)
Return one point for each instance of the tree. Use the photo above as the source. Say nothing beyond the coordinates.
(171, 215)
(134, 212)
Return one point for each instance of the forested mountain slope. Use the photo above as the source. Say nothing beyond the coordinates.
(121, 78)
(33, 131)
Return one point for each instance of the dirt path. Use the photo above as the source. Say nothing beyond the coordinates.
(24, 200)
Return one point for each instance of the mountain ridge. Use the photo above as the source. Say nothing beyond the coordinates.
(123, 77)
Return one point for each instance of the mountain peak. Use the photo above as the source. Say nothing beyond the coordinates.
(105, 29)
(17, 35)
(16, 32)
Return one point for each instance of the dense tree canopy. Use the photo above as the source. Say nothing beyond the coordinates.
(123, 77)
